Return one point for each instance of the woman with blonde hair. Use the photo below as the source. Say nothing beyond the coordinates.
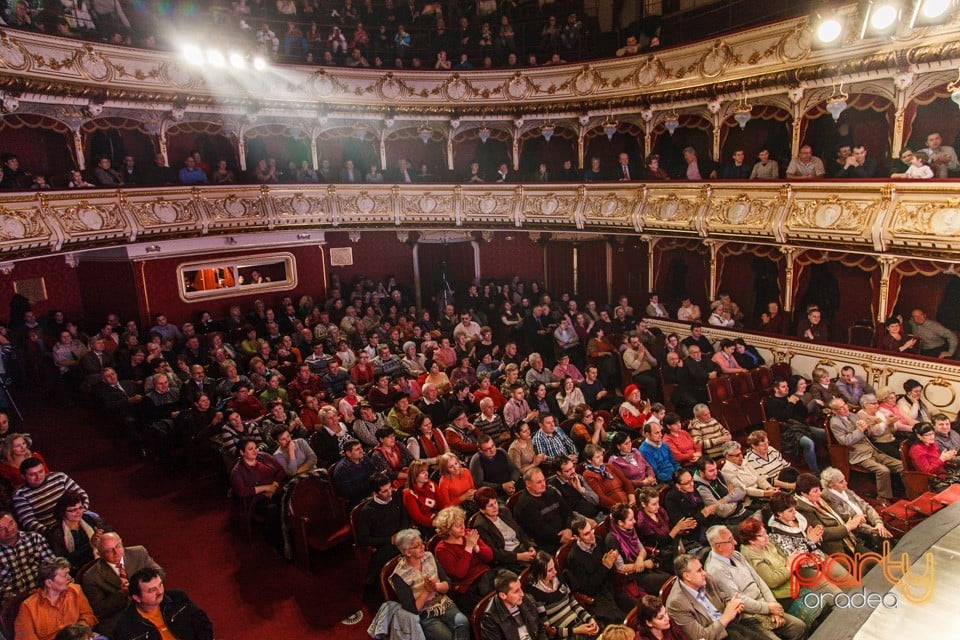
(456, 482)
(464, 556)
(15, 449)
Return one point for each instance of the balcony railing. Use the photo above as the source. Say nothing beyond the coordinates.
(907, 219)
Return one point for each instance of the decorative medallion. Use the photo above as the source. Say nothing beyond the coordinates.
(365, 204)
(716, 60)
(165, 212)
(827, 215)
(234, 207)
(456, 88)
(389, 88)
(94, 66)
(946, 222)
(176, 74)
(90, 218)
(12, 54)
(323, 85)
(795, 45)
(300, 205)
(518, 87)
(12, 228)
(650, 72)
(585, 82)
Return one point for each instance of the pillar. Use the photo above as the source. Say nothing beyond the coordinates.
(790, 254)
(887, 264)
(651, 245)
(714, 247)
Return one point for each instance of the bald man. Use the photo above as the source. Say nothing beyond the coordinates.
(105, 582)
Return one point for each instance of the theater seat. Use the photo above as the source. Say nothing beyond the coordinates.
(318, 519)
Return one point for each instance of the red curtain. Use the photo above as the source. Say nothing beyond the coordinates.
(44, 145)
(858, 278)
(629, 261)
(916, 283)
(686, 258)
(769, 127)
(930, 112)
(459, 257)
(592, 270)
(559, 267)
(868, 121)
(693, 131)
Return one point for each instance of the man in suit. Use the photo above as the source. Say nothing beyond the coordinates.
(852, 434)
(94, 361)
(735, 577)
(848, 504)
(626, 170)
(121, 401)
(105, 583)
(503, 174)
(199, 384)
(697, 606)
(403, 175)
(349, 175)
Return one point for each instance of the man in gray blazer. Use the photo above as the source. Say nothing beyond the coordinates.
(105, 582)
(848, 504)
(852, 433)
(736, 578)
(697, 606)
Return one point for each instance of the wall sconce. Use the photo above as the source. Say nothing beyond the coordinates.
(741, 112)
(424, 132)
(672, 122)
(837, 103)
(547, 131)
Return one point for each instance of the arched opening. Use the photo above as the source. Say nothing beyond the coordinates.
(534, 149)
(823, 275)
(116, 138)
(752, 275)
(43, 145)
(681, 271)
(341, 144)
(867, 120)
(768, 128)
(468, 148)
(693, 131)
(625, 140)
(406, 143)
(282, 143)
(206, 137)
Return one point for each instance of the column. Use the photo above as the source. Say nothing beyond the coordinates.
(450, 150)
(651, 245)
(887, 264)
(714, 247)
(790, 254)
(314, 156)
(901, 83)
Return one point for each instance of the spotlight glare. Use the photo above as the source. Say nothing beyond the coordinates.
(237, 60)
(215, 57)
(193, 54)
(259, 63)
(829, 30)
(933, 9)
(884, 16)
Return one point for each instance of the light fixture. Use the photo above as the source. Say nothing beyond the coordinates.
(547, 130)
(259, 63)
(237, 61)
(484, 134)
(837, 103)
(741, 113)
(192, 54)
(928, 12)
(215, 57)
(880, 17)
(610, 127)
(827, 29)
(359, 132)
(954, 89)
(671, 122)
(424, 132)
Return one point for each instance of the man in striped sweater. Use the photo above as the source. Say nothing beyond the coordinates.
(35, 500)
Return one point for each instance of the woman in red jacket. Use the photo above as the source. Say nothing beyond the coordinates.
(927, 458)
(420, 496)
(464, 556)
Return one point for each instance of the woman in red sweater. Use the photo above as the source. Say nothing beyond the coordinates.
(456, 483)
(927, 458)
(420, 496)
(682, 445)
(464, 556)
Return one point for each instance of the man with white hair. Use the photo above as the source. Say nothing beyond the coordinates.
(853, 432)
(735, 576)
(743, 476)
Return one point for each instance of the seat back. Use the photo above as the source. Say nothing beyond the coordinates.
(667, 587)
(432, 543)
(861, 334)
(8, 615)
(772, 429)
(389, 593)
(719, 389)
(916, 481)
(512, 500)
(839, 456)
(762, 379)
(561, 558)
(477, 615)
(781, 370)
(741, 383)
(631, 619)
(318, 516)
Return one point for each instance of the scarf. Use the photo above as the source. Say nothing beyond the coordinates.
(849, 541)
(391, 455)
(437, 604)
(628, 541)
(68, 536)
(601, 471)
(432, 446)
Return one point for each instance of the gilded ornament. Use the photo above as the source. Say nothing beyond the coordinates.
(716, 60)
(832, 213)
(649, 73)
(13, 55)
(795, 45)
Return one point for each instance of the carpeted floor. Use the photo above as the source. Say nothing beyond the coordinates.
(186, 525)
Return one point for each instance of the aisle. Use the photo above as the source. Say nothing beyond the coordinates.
(187, 528)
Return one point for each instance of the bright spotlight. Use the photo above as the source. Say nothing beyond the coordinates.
(193, 54)
(829, 30)
(933, 9)
(237, 60)
(884, 17)
(215, 57)
(259, 63)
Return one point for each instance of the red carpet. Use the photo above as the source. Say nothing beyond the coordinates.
(187, 527)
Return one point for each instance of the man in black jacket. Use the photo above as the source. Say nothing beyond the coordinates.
(151, 604)
(511, 612)
(590, 570)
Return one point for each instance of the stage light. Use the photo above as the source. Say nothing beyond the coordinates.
(259, 63)
(930, 12)
(215, 57)
(237, 61)
(880, 17)
(193, 54)
(828, 30)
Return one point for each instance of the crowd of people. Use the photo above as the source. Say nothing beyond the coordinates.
(511, 432)
(66, 572)
(935, 160)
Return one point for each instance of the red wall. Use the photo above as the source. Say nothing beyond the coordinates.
(108, 287)
(378, 254)
(629, 272)
(61, 282)
(502, 259)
